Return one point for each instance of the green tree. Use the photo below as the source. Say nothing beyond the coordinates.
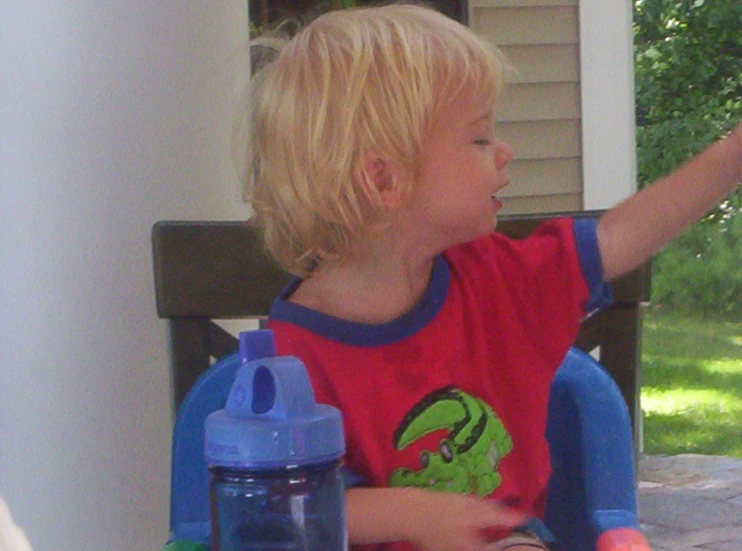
(688, 67)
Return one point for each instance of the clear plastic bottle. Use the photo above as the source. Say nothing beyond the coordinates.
(275, 457)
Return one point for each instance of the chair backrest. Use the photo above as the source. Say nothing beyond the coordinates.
(218, 270)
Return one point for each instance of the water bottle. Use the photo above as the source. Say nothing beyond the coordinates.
(275, 459)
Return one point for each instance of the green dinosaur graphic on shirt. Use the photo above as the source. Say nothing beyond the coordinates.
(467, 457)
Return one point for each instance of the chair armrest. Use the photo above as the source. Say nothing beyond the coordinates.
(593, 487)
(189, 495)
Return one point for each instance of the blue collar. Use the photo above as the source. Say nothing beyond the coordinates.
(362, 334)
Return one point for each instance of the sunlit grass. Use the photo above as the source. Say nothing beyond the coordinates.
(691, 402)
(692, 385)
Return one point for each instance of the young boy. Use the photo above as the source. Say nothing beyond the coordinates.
(374, 171)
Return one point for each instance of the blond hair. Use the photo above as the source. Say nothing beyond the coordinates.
(352, 81)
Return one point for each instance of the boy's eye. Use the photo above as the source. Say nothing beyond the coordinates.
(483, 141)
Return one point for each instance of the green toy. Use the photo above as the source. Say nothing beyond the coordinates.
(185, 545)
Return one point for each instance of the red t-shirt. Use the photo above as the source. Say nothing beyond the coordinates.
(453, 394)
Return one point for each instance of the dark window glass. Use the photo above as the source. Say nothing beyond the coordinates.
(269, 12)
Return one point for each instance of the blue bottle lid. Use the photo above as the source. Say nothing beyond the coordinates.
(271, 419)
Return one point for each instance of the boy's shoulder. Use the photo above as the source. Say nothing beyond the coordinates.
(558, 249)
(556, 232)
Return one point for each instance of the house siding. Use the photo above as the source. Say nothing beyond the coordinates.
(540, 111)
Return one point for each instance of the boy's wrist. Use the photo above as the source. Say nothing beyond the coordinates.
(410, 505)
(382, 515)
(721, 163)
(734, 142)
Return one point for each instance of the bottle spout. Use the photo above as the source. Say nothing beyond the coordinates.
(256, 345)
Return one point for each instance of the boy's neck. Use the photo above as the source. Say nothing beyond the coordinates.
(372, 290)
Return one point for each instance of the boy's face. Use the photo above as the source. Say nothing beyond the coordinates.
(463, 165)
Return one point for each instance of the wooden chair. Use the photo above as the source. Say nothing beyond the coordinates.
(206, 271)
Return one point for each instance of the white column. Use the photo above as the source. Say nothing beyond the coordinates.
(608, 114)
(113, 115)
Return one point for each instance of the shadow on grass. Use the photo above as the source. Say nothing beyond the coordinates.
(685, 433)
(692, 338)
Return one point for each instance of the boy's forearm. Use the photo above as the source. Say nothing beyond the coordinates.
(429, 519)
(632, 232)
(379, 515)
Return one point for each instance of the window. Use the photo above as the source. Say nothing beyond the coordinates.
(269, 12)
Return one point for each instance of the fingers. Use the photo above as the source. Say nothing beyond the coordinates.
(507, 516)
(497, 520)
(490, 513)
(461, 522)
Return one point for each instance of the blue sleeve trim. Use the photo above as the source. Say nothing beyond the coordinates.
(586, 239)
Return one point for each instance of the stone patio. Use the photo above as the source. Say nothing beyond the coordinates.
(691, 502)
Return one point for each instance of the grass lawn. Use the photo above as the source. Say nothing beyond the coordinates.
(692, 385)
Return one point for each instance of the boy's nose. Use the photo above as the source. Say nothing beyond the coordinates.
(503, 154)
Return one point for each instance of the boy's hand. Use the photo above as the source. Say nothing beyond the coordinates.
(454, 522)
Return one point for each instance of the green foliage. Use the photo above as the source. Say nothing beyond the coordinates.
(688, 67)
(701, 272)
(688, 56)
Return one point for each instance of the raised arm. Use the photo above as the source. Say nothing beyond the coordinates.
(636, 229)
(433, 521)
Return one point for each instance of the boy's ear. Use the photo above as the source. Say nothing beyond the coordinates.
(379, 178)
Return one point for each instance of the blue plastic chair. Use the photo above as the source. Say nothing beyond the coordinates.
(189, 492)
(591, 497)
(591, 500)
